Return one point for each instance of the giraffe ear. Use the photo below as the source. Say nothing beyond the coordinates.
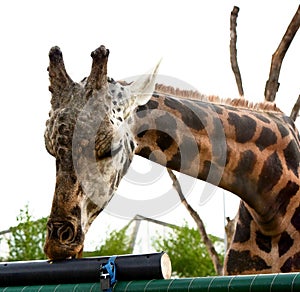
(143, 88)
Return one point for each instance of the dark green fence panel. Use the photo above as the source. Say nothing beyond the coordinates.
(252, 283)
(91, 287)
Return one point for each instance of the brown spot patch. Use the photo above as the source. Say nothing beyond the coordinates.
(270, 174)
(291, 264)
(285, 243)
(246, 163)
(292, 157)
(263, 242)
(245, 126)
(296, 219)
(241, 261)
(266, 138)
(242, 232)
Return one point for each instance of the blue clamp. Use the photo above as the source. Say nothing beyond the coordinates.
(108, 275)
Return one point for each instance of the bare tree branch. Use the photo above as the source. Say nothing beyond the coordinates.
(209, 245)
(233, 50)
(272, 84)
(295, 110)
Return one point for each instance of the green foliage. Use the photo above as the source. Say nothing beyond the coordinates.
(187, 252)
(1, 258)
(116, 243)
(27, 238)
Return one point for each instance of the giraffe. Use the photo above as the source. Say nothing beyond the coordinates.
(250, 150)
(87, 135)
(259, 162)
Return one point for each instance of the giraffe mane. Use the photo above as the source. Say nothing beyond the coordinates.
(196, 95)
(182, 93)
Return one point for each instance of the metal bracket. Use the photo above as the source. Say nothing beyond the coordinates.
(108, 275)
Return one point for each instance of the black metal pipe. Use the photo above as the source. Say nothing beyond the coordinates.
(85, 270)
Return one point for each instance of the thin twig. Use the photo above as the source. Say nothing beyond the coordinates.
(233, 50)
(295, 110)
(272, 84)
(209, 245)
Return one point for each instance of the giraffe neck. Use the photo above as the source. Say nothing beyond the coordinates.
(249, 152)
(251, 251)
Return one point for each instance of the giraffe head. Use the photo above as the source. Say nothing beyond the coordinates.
(89, 134)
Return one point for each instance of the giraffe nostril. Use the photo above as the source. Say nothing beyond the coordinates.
(66, 234)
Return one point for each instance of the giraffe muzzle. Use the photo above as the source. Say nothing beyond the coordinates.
(64, 240)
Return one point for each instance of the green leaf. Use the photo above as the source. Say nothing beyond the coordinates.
(27, 238)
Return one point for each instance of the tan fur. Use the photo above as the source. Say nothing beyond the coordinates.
(195, 95)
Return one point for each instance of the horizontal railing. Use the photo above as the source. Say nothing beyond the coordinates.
(253, 283)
